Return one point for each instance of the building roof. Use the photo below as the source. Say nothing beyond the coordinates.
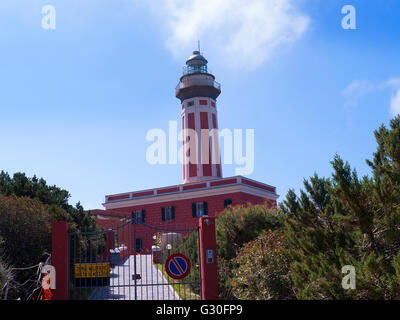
(196, 59)
(191, 190)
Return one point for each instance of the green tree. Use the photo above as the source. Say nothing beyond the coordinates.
(25, 226)
(28, 206)
(22, 186)
(346, 220)
(236, 226)
(264, 269)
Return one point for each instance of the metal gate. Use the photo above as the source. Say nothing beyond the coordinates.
(130, 262)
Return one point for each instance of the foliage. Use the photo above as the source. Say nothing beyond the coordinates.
(264, 269)
(189, 246)
(22, 186)
(25, 228)
(346, 220)
(236, 226)
(225, 277)
(28, 206)
(6, 274)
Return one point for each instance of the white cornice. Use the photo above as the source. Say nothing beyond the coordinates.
(206, 192)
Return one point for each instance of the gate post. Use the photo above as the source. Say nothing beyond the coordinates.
(208, 260)
(110, 244)
(59, 258)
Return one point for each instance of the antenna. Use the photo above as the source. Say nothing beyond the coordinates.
(198, 44)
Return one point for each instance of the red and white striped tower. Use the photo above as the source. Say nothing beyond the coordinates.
(198, 91)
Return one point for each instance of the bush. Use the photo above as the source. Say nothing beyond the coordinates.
(28, 206)
(6, 275)
(188, 245)
(264, 269)
(25, 226)
(236, 226)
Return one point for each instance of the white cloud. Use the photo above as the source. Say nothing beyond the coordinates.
(239, 33)
(355, 91)
(361, 88)
(394, 82)
(244, 33)
(395, 103)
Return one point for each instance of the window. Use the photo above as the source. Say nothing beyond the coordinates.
(199, 209)
(116, 240)
(140, 216)
(227, 202)
(168, 213)
(190, 103)
(138, 245)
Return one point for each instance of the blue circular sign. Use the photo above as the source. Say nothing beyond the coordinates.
(177, 266)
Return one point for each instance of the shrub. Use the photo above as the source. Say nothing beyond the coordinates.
(6, 275)
(236, 226)
(264, 269)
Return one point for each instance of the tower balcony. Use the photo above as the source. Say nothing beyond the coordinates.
(197, 85)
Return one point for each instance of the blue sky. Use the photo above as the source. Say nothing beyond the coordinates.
(76, 102)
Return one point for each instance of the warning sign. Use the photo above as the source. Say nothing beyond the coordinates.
(92, 270)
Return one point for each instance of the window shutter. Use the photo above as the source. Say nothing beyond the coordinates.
(194, 210)
(205, 208)
(134, 216)
(163, 214)
(173, 212)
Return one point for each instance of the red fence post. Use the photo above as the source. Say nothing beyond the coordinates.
(208, 254)
(110, 244)
(59, 258)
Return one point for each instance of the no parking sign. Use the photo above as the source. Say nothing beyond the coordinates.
(177, 266)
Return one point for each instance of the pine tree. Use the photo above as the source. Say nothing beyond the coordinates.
(346, 220)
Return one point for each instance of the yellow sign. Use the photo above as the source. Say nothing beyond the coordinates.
(92, 270)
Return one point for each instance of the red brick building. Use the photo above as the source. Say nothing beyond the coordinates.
(204, 191)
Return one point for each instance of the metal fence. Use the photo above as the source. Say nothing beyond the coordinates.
(128, 262)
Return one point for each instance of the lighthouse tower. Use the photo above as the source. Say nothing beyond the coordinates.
(203, 192)
(198, 91)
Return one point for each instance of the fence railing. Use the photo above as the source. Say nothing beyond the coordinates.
(197, 82)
